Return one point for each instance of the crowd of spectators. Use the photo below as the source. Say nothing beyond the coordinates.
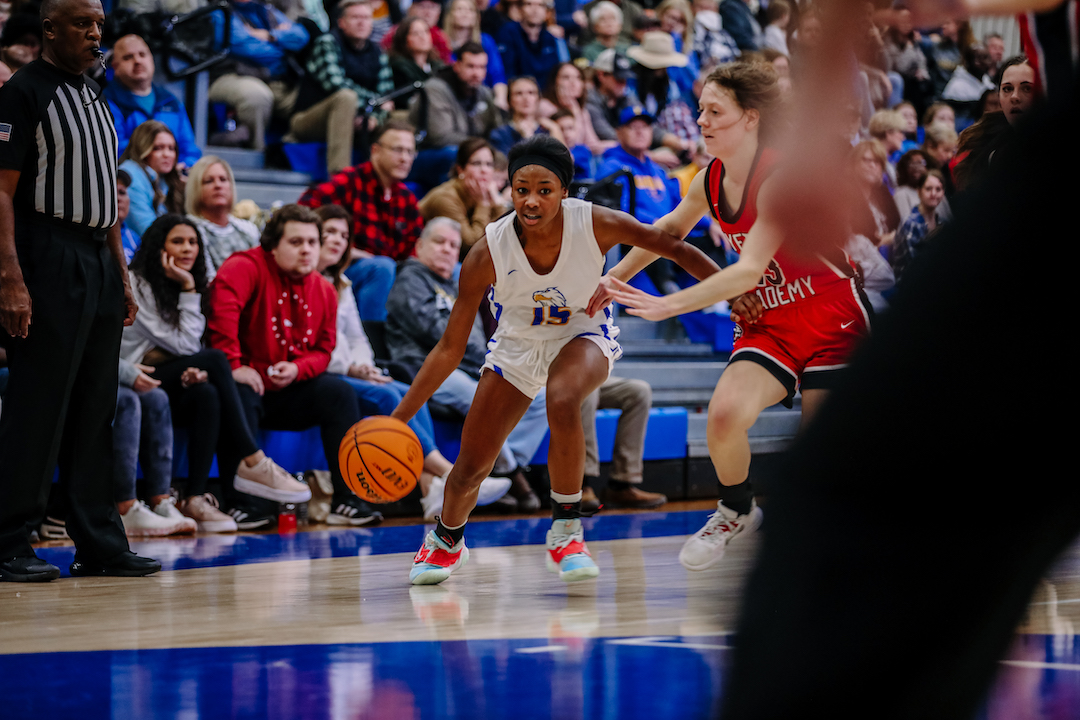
(323, 315)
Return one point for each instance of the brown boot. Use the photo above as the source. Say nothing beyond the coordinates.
(589, 502)
(633, 497)
(522, 491)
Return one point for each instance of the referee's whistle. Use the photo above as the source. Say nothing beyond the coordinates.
(100, 56)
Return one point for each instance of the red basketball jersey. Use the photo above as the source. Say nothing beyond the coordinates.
(790, 278)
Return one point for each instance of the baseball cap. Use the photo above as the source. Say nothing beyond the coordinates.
(613, 62)
(634, 112)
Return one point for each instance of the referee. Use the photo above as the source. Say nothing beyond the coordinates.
(64, 300)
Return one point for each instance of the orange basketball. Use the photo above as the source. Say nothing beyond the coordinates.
(381, 459)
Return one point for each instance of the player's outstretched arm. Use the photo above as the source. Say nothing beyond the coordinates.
(477, 273)
(679, 222)
(761, 244)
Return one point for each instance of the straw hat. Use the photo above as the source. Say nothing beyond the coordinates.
(657, 50)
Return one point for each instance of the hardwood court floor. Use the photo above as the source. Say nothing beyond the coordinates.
(323, 624)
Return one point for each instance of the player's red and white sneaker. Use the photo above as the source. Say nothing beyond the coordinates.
(566, 551)
(435, 560)
(706, 547)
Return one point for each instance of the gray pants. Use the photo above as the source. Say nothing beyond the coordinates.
(634, 398)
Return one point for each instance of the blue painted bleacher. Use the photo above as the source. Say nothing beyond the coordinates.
(665, 439)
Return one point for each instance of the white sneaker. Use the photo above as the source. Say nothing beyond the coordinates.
(141, 521)
(492, 489)
(432, 502)
(269, 480)
(567, 553)
(706, 547)
(203, 510)
(167, 509)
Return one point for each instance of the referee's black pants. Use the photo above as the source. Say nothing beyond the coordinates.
(62, 393)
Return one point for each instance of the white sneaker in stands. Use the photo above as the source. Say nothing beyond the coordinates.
(141, 521)
(203, 509)
(167, 509)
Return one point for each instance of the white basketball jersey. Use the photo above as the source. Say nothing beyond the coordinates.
(552, 306)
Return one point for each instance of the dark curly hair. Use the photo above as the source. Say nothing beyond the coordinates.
(146, 265)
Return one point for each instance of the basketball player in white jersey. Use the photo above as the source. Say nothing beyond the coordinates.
(543, 262)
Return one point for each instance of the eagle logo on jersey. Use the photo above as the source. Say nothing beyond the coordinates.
(552, 297)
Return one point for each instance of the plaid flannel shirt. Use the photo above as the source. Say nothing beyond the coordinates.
(386, 221)
(325, 67)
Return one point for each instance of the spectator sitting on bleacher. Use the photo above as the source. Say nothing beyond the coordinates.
(453, 106)
(876, 216)
(428, 11)
(168, 279)
(610, 94)
(631, 12)
(209, 200)
(412, 57)
(654, 197)
(656, 60)
(528, 47)
(256, 79)
(129, 239)
(156, 184)
(344, 71)
(461, 24)
(376, 391)
(967, 84)
(386, 220)
(606, 26)
(143, 433)
(471, 197)
(565, 90)
(940, 145)
(275, 318)
(134, 98)
(911, 168)
(712, 44)
(20, 40)
(525, 118)
(634, 399)
(419, 309)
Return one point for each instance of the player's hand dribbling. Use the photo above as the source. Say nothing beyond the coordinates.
(16, 308)
(747, 308)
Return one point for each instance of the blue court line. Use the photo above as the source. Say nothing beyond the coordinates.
(243, 549)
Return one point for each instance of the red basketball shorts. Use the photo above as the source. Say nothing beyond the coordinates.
(806, 344)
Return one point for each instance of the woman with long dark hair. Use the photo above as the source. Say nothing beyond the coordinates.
(471, 196)
(168, 278)
(412, 55)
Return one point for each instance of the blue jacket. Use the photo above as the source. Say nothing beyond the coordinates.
(167, 109)
(654, 195)
(141, 192)
(521, 57)
(290, 36)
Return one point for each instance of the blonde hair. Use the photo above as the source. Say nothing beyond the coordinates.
(874, 147)
(687, 10)
(195, 182)
(885, 120)
(449, 13)
(939, 133)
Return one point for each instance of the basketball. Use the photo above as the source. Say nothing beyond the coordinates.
(380, 459)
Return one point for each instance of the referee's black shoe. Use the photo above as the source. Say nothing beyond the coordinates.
(27, 569)
(127, 564)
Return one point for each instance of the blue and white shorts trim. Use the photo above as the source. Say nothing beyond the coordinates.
(524, 363)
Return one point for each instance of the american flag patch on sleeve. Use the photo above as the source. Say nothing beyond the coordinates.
(5, 132)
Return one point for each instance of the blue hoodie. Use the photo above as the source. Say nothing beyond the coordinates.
(654, 193)
(128, 113)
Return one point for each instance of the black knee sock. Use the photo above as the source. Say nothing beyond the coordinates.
(737, 497)
(449, 536)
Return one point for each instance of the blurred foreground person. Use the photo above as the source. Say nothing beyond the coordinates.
(900, 606)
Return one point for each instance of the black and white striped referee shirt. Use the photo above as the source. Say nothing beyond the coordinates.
(56, 129)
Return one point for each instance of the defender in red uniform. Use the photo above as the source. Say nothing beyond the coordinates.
(799, 316)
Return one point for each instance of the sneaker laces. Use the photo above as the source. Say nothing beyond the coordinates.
(561, 540)
(716, 528)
